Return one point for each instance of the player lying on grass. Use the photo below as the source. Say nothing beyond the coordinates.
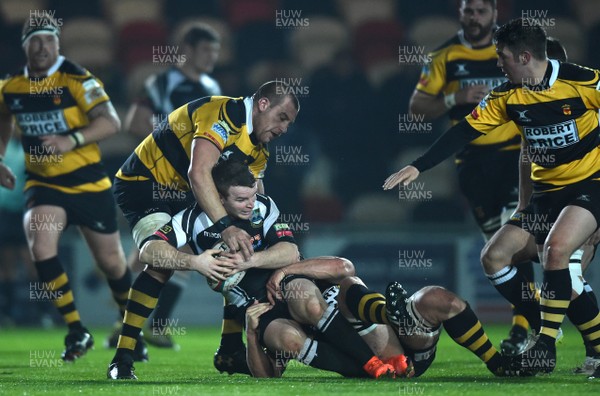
(274, 247)
(405, 336)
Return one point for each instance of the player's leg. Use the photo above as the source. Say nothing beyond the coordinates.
(433, 306)
(512, 244)
(382, 339)
(286, 340)
(307, 306)
(572, 228)
(43, 227)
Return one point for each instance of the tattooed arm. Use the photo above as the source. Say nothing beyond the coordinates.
(104, 122)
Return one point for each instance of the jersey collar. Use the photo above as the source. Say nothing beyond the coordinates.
(550, 77)
(51, 70)
(248, 103)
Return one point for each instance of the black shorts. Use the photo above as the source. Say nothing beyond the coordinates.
(517, 218)
(548, 205)
(94, 210)
(138, 199)
(490, 181)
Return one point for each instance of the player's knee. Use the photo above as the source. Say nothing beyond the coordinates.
(438, 304)
(291, 341)
(41, 249)
(557, 254)
(493, 259)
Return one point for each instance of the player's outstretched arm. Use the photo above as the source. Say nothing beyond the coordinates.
(327, 268)
(446, 145)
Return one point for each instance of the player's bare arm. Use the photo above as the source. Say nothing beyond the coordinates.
(104, 122)
(277, 256)
(259, 363)
(204, 156)
(329, 268)
(161, 255)
(7, 178)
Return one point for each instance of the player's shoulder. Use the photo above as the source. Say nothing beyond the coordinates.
(74, 70)
(8, 78)
(503, 89)
(447, 46)
(577, 73)
(235, 110)
(264, 200)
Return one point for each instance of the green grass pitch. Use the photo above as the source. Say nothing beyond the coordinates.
(30, 365)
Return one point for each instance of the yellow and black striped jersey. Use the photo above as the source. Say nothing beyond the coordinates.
(56, 104)
(164, 156)
(456, 65)
(558, 116)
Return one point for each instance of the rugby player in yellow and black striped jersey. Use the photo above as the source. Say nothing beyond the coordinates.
(461, 72)
(172, 167)
(555, 106)
(62, 111)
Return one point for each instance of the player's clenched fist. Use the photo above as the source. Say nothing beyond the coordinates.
(405, 176)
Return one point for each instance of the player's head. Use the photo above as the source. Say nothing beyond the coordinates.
(477, 18)
(555, 50)
(236, 186)
(201, 45)
(39, 39)
(275, 108)
(520, 44)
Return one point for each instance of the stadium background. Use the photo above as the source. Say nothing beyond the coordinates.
(354, 65)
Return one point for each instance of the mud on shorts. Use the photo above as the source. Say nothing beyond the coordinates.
(94, 210)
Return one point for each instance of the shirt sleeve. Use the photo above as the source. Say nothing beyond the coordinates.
(214, 126)
(433, 75)
(88, 92)
(591, 97)
(490, 113)
(275, 231)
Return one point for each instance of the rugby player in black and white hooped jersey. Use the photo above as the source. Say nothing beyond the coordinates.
(403, 331)
(171, 169)
(273, 245)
